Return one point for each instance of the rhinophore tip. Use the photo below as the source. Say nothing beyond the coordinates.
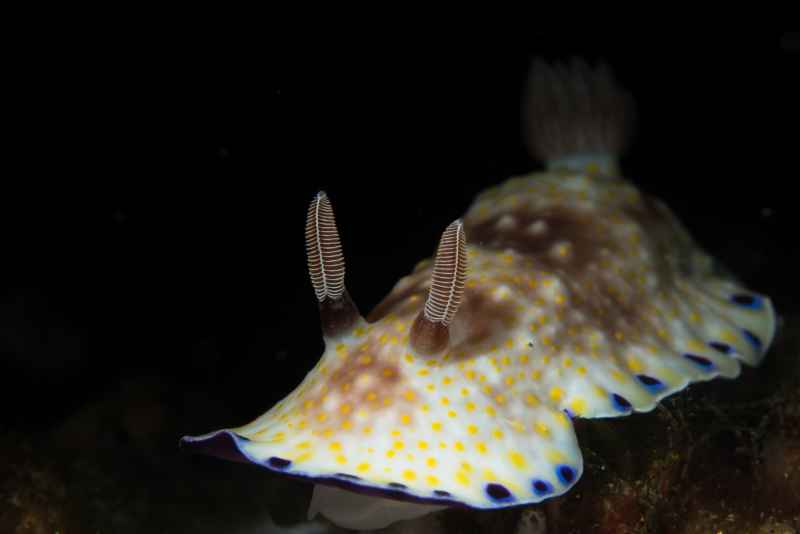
(326, 268)
(430, 332)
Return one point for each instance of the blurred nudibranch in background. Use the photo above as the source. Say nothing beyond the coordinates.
(559, 294)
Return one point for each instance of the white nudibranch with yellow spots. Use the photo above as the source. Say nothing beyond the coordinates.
(560, 294)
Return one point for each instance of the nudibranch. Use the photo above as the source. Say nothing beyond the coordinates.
(560, 294)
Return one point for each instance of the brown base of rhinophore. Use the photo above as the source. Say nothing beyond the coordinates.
(428, 337)
(337, 316)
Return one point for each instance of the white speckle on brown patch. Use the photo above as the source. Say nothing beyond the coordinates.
(537, 228)
(561, 251)
(506, 222)
(364, 381)
(501, 292)
(578, 317)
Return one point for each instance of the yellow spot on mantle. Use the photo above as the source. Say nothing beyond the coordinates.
(517, 460)
(729, 337)
(635, 365)
(554, 456)
(578, 406)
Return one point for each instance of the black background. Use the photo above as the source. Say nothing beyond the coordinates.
(155, 192)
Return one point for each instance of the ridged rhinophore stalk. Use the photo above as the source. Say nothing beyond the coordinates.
(326, 268)
(449, 274)
(430, 331)
(325, 258)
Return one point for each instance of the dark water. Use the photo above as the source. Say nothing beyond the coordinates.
(153, 230)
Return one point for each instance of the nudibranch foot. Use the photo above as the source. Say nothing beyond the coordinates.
(363, 512)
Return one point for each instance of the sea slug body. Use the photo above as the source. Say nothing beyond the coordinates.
(559, 294)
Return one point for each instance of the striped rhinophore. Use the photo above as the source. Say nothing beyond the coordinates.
(449, 275)
(324, 249)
